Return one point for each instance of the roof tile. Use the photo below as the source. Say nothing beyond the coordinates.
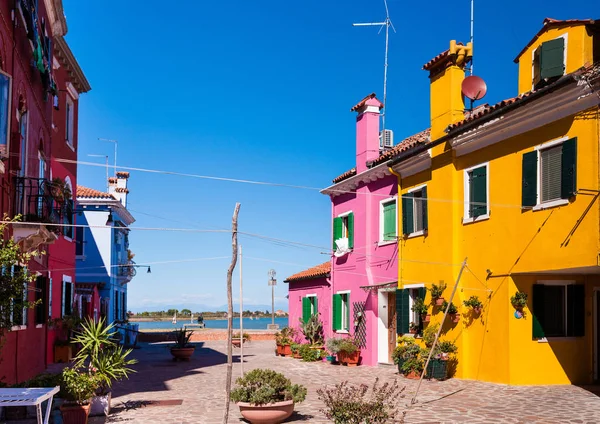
(90, 193)
(365, 100)
(318, 271)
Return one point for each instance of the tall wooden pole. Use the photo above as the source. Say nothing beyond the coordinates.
(241, 318)
(234, 254)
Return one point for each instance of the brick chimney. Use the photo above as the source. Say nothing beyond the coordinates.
(117, 186)
(367, 131)
(446, 73)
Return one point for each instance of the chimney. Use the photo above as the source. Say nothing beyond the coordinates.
(367, 131)
(446, 73)
(117, 186)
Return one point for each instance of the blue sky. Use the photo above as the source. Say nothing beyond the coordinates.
(259, 91)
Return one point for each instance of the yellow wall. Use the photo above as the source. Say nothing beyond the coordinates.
(496, 346)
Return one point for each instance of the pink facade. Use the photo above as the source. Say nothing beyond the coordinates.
(319, 287)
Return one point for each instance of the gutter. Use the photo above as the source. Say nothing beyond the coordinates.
(501, 111)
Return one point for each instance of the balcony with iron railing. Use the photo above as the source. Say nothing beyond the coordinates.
(127, 271)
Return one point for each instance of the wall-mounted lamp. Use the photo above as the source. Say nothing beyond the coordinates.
(110, 218)
(149, 271)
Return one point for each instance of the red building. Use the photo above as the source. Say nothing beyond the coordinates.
(40, 83)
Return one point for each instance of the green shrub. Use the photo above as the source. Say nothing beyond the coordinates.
(351, 404)
(437, 290)
(295, 347)
(285, 336)
(429, 334)
(446, 346)
(419, 306)
(473, 302)
(452, 309)
(182, 338)
(308, 354)
(264, 386)
(519, 300)
(415, 365)
(79, 385)
(408, 350)
(333, 345)
(348, 346)
(237, 336)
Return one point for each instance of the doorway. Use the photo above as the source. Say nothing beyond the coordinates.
(391, 325)
(386, 323)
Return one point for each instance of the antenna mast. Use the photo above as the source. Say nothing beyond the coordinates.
(472, 21)
(387, 23)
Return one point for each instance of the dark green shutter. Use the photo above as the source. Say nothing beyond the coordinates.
(316, 305)
(422, 293)
(337, 230)
(350, 231)
(402, 311)
(407, 214)
(337, 312)
(552, 58)
(478, 192)
(305, 309)
(529, 186)
(348, 312)
(536, 66)
(424, 202)
(537, 314)
(389, 221)
(576, 310)
(568, 177)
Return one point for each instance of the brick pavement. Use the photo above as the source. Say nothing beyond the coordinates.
(200, 385)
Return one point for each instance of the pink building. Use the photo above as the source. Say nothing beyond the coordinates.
(356, 294)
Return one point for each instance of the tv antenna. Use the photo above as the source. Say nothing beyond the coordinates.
(387, 24)
(472, 21)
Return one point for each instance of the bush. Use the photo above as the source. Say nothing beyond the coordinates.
(437, 290)
(246, 336)
(519, 300)
(308, 354)
(348, 346)
(350, 404)
(79, 385)
(415, 365)
(452, 309)
(285, 336)
(264, 386)
(446, 346)
(313, 330)
(408, 350)
(333, 345)
(295, 347)
(429, 334)
(419, 306)
(473, 302)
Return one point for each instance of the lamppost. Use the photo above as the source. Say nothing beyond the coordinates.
(272, 283)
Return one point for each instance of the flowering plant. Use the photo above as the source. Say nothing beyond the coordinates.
(79, 385)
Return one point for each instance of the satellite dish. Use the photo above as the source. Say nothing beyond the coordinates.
(474, 88)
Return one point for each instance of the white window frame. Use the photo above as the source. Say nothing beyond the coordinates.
(345, 313)
(70, 127)
(383, 242)
(66, 279)
(413, 288)
(9, 119)
(23, 149)
(312, 305)
(345, 222)
(419, 232)
(565, 36)
(563, 283)
(550, 203)
(467, 193)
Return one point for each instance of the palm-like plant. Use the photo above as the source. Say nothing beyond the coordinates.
(112, 365)
(93, 336)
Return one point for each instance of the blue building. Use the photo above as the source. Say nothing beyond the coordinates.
(104, 261)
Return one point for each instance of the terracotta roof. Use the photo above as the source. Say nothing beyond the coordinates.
(365, 100)
(550, 23)
(318, 271)
(121, 190)
(439, 59)
(123, 174)
(112, 179)
(406, 144)
(93, 194)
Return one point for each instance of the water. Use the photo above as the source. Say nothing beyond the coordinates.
(249, 324)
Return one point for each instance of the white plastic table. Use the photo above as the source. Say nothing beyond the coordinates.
(30, 397)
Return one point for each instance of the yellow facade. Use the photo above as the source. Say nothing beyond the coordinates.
(514, 248)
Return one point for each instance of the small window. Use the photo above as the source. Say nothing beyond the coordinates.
(558, 310)
(67, 306)
(414, 212)
(341, 311)
(388, 220)
(476, 193)
(343, 228)
(69, 123)
(548, 62)
(413, 295)
(5, 96)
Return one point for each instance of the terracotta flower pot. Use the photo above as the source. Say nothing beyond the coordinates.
(350, 359)
(272, 413)
(182, 353)
(75, 414)
(296, 355)
(286, 350)
(413, 375)
(477, 310)
(412, 331)
(439, 301)
(454, 317)
(278, 350)
(425, 317)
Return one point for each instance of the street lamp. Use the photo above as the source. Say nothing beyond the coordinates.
(272, 283)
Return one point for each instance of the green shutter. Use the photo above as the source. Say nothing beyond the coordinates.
(316, 305)
(337, 230)
(350, 231)
(529, 186)
(389, 221)
(348, 312)
(568, 177)
(337, 312)
(552, 58)
(422, 293)
(402, 311)
(478, 192)
(305, 309)
(424, 202)
(407, 214)
(538, 311)
(576, 310)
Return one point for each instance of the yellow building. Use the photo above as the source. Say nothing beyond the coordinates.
(513, 189)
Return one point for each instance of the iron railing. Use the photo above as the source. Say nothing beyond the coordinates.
(36, 202)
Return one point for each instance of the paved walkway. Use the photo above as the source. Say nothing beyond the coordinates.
(194, 392)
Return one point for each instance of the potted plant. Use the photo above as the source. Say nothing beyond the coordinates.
(183, 349)
(452, 311)
(412, 368)
(284, 339)
(438, 364)
(267, 397)
(79, 385)
(312, 330)
(333, 347)
(295, 348)
(309, 354)
(519, 300)
(60, 190)
(406, 349)
(349, 352)
(238, 339)
(474, 303)
(65, 328)
(420, 308)
(413, 328)
(437, 292)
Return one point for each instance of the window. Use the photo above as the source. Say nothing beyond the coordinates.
(309, 306)
(5, 96)
(41, 295)
(476, 193)
(341, 311)
(405, 299)
(558, 309)
(343, 228)
(68, 206)
(79, 241)
(548, 62)
(41, 176)
(414, 212)
(67, 297)
(550, 174)
(69, 124)
(23, 143)
(123, 307)
(388, 221)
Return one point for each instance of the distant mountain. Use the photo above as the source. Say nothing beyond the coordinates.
(197, 307)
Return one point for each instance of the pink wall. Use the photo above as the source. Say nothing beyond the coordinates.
(297, 290)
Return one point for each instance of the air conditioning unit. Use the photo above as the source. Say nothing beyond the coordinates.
(386, 139)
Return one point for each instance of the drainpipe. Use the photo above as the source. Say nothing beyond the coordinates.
(399, 227)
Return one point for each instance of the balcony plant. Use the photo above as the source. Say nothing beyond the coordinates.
(474, 303)
(284, 338)
(265, 396)
(60, 190)
(519, 300)
(78, 387)
(452, 311)
(349, 352)
(437, 292)
(312, 330)
(183, 349)
(420, 308)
